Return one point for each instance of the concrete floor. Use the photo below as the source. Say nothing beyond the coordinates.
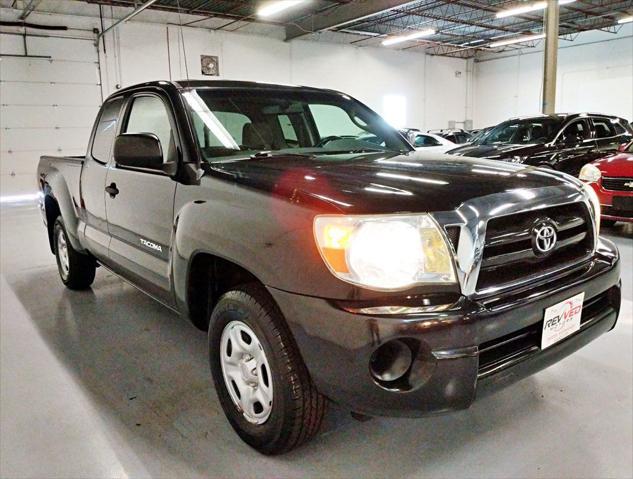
(107, 383)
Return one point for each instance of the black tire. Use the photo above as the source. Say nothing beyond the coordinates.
(81, 268)
(608, 223)
(298, 408)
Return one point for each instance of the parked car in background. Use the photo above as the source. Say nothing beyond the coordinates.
(457, 136)
(476, 134)
(430, 142)
(564, 142)
(612, 179)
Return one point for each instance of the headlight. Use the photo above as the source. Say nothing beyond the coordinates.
(590, 173)
(387, 252)
(595, 204)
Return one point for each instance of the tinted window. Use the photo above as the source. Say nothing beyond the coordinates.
(424, 140)
(604, 127)
(106, 130)
(518, 132)
(149, 115)
(577, 130)
(619, 128)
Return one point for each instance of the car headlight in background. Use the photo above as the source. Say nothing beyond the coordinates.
(385, 252)
(590, 173)
(595, 203)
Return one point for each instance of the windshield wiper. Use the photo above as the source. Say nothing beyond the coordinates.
(262, 155)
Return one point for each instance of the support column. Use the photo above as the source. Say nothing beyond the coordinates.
(550, 56)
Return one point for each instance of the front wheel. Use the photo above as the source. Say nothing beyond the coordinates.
(261, 381)
(76, 270)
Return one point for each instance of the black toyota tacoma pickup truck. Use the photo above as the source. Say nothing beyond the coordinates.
(324, 256)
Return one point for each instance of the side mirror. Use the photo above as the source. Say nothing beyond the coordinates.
(138, 150)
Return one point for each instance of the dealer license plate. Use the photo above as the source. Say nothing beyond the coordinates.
(561, 320)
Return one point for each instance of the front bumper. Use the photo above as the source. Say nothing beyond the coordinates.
(464, 351)
(608, 211)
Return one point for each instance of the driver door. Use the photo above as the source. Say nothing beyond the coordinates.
(140, 204)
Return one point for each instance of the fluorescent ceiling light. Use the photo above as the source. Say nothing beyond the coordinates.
(626, 19)
(272, 8)
(529, 7)
(410, 36)
(525, 38)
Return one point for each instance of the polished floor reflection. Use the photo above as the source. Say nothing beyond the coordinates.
(108, 383)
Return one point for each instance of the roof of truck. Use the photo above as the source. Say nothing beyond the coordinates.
(185, 84)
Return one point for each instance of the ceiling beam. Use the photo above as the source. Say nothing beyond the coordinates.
(29, 8)
(130, 15)
(339, 16)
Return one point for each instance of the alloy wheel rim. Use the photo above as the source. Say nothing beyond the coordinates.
(62, 254)
(247, 374)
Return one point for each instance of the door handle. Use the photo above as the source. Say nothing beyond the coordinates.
(112, 190)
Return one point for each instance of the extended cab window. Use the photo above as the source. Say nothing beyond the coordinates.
(149, 115)
(106, 130)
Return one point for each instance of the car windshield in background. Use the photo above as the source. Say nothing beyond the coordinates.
(238, 123)
(521, 132)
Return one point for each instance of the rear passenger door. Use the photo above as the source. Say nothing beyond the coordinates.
(93, 178)
(140, 214)
(609, 134)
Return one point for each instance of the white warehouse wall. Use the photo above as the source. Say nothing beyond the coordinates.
(48, 105)
(595, 73)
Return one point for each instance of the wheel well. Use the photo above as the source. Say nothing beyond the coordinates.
(52, 212)
(209, 278)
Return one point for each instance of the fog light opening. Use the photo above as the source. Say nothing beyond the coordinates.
(391, 361)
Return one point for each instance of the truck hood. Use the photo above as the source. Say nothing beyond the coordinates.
(383, 182)
(497, 151)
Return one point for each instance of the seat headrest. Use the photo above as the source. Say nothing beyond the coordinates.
(257, 136)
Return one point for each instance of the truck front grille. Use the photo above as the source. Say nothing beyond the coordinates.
(508, 255)
(617, 184)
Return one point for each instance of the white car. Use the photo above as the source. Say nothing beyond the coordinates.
(432, 143)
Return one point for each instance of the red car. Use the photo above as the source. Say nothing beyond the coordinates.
(612, 179)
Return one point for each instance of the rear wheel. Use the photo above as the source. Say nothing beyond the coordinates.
(76, 270)
(261, 381)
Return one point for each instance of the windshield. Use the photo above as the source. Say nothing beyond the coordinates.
(241, 123)
(521, 132)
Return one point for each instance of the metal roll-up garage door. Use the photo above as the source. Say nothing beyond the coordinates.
(49, 100)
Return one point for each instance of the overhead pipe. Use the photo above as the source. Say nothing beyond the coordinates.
(132, 14)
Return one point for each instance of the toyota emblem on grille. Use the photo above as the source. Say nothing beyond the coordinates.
(543, 237)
